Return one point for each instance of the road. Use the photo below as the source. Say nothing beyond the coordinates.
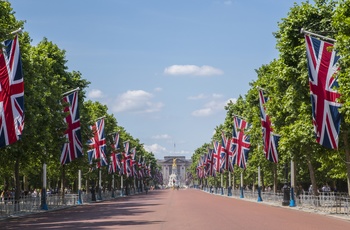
(177, 209)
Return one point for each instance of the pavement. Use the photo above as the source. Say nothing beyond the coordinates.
(177, 209)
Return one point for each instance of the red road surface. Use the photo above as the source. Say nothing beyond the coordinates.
(177, 209)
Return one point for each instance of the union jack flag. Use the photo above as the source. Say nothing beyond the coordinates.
(270, 139)
(149, 171)
(98, 144)
(126, 159)
(120, 166)
(217, 156)
(133, 162)
(11, 93)
(199, 169)
(73, 148)
(115, 143)
(322, 64)
(240, 142)
(210, 163)
(113, 163)
(226, 154)
(139, 166)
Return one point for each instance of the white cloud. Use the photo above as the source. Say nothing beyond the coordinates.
(197, 97)
(95, 93)
(155, 148)
(202, 112)
(213, 106)
(162, 136)
(228, 2)
(204, 70)
(158, 89)
(136, 101)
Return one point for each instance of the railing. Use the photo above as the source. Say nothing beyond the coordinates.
(325, 202)
(29, 204)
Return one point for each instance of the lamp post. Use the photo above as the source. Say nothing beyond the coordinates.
(286, 189)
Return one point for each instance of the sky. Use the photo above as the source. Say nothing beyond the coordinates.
(164, 68)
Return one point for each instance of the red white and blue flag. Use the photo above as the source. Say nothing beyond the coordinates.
(120, 166)
(97, 144)
(114, 163)
(200, 169)
(323, 67)
(11, 93)
(210, 163)
(133, 162)
(73, 148)
(240, 142)
(217, 156)
(115, 143)
(269, 138)
(139, 166)
(226, 154)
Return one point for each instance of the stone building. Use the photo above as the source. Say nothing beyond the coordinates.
(182, 165)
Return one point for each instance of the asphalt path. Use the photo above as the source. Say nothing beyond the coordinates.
(178, 210)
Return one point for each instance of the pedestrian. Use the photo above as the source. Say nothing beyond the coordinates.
(310, 190)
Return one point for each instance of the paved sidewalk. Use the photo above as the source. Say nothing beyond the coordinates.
(176, 209)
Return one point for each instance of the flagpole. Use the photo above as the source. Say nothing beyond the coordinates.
(19, 30)
(100, 118)
(79, 187)
(43, 190)
(235, 115)
(99, 184)
(292, 184)
(113, 186)
(259, 185)
(71, 91)
(121, 185)
(222, 183)
(242, 194)
(303, 31)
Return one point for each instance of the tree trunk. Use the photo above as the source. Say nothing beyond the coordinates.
(275, 178)
(312, 176)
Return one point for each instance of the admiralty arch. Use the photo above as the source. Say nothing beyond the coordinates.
(182, 165)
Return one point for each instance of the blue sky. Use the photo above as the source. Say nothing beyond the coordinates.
(164, 68)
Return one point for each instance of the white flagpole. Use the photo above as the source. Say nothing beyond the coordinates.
(121, 185)
(19, 30)
(242, 194)
(317, 35)
(79, 187)
(71, 91)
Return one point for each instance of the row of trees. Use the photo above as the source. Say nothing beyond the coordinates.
(285, 82)
(46, 78)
